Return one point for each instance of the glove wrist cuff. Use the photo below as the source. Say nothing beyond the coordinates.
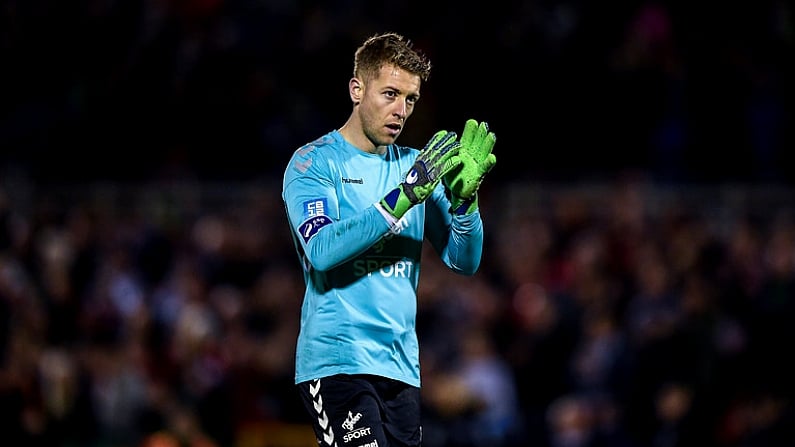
(396, 202)
(462, 207)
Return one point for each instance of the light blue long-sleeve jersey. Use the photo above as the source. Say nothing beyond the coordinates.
(360, 306)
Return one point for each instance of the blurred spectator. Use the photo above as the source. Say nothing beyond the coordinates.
(571, 422)
(639, 294)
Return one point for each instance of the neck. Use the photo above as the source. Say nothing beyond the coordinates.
(353, 134)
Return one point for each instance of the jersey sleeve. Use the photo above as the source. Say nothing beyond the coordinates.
(457, 239)
(323, 239)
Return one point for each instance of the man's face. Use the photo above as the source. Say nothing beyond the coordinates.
(387, 102)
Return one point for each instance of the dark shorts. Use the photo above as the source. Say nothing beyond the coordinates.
(363, 411)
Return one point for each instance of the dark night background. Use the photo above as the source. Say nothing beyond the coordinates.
(690, 92)
(637, 287)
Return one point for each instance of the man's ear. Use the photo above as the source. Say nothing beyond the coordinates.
(356, 90)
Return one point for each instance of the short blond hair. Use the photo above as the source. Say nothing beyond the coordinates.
(389, 48)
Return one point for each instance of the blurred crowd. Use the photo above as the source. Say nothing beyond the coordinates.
(623, 314)
(638, 285)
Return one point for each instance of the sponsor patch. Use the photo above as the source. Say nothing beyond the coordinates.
(314, 218)
(315, 208)
(356, 434)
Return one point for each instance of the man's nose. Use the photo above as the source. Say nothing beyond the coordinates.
(402, 108)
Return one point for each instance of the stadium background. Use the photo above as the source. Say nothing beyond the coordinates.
(640, 275)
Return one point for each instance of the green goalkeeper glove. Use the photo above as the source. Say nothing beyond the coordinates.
(436, 159)
(477, 160)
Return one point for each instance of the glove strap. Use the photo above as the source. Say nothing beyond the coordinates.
(462, 207)
(396, 202)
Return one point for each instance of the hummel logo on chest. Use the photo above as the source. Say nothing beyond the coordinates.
(358, 181)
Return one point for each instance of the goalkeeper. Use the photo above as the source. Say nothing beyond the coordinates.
(359, 207)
